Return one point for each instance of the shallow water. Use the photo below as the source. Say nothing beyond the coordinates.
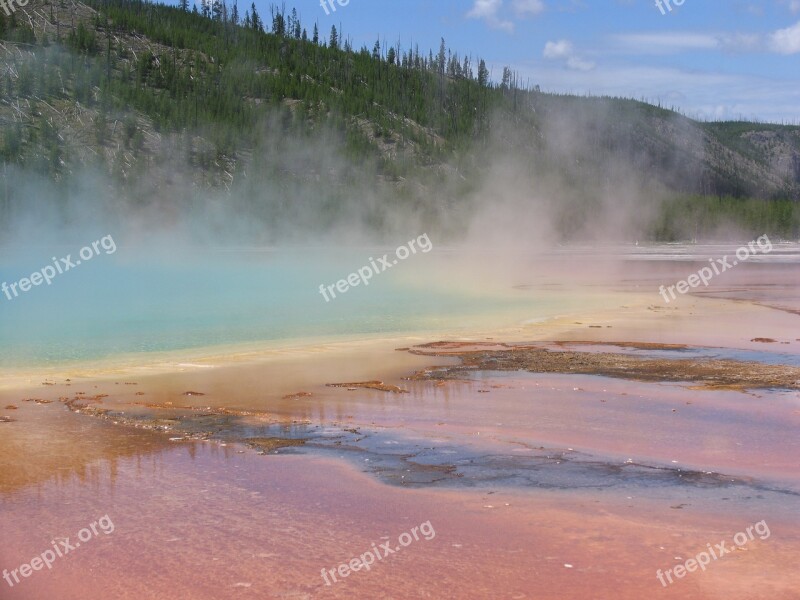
(161, 302)
(537, 485)
(203, 521)
(157, 304)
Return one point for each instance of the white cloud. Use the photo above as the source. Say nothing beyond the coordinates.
(786, 41)
(559, 49)
(487, 10)
(530, 7)
(741, 42)
(563, 50)
(700, 93)
(783, 41)
(674, 41)
(483, 9)
(579, 64)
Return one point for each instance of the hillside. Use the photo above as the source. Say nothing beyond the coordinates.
(165, 103)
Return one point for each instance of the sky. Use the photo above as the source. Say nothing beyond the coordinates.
(710, 59)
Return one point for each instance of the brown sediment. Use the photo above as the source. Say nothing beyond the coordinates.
(370, 385)
(79, 406)
(37, 400)
(297, 396)
(11, 407)
(203, 410)
(192, 422)
(636, 345)
(165, 406)
(192, 394)
(268, 444)
(764, 340)
(709, 373)
(458, 346)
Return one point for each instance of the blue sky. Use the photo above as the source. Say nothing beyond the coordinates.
(712, 59)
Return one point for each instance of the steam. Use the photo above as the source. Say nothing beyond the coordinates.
(544, 175)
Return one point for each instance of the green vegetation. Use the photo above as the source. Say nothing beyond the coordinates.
(703, 217)
(119, 85)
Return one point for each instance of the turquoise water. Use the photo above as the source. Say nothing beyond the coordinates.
(117, 304)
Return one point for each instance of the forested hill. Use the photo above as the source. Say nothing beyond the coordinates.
(177, 96)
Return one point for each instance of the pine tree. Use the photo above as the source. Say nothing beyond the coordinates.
(505, 84)
(278, 22)
(483, 74)
(256, 22)
(334, 43)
